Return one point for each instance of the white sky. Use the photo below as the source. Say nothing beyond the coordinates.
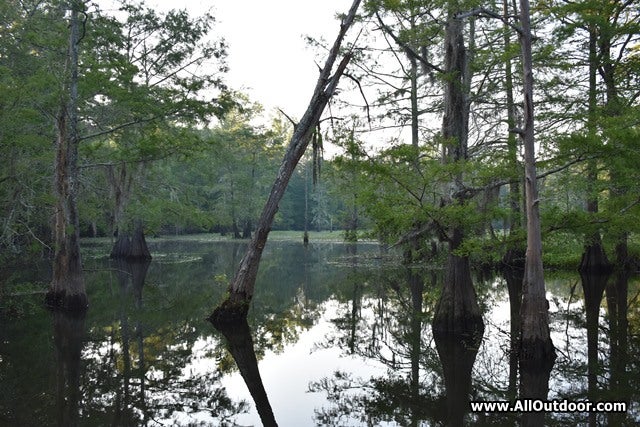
(268, 57)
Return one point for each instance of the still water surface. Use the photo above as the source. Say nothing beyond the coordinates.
(340, 334)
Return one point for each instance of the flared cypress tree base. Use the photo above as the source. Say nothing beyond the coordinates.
(594, 261)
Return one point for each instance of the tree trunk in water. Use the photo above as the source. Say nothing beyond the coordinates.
(241, 288)
(132, 248)
(457, 310)
(536, 346)
(236, 229)
(246, 230)
(240, 345)
(67, 289)
(594, 259)
(514, 257)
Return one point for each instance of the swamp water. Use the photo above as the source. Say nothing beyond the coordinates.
(341, 337)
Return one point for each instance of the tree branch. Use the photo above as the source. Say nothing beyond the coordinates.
(407, 48)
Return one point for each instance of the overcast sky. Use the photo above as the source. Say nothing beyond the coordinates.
(268, 56)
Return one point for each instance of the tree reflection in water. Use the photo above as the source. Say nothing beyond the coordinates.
(68, 336)
(457, 355)
(136, 374)
(388, 327)
(621, 382)
(144, 354)
(383, 319)
(593, 287)
(240, 345)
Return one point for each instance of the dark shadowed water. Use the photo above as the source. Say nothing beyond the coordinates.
(337, 335)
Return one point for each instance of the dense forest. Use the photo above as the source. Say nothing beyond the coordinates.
(158, 145)
(463, 137)
(120, 124)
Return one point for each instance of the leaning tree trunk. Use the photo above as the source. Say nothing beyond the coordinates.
(536, 346)
(241, 288)
(67, 289)
(457, 310)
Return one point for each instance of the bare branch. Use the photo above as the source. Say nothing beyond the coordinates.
(410, 51)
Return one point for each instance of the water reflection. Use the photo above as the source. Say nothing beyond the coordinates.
(240, 345)
(131, 276)
(68, 333)
(342, 337)
(619, 378)
(534, 385)
(457, 356)
(593, 287)
(513, 278)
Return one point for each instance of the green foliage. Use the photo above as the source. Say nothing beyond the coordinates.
(562, 250)
(18, 298)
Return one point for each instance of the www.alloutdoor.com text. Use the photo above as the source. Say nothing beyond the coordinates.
(537, 405)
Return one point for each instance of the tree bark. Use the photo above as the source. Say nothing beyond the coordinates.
(457, 311)
(131, 247)
(67, 289)
(594, 259)
(241, 288)
(536, 345)
(514, 257)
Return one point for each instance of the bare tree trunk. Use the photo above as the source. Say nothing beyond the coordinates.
(536, 345)
(67, 289)
(515, 254)
(241, 288)
(594, 259)
(457, 310)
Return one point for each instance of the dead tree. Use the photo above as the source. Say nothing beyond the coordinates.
(240, 290)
